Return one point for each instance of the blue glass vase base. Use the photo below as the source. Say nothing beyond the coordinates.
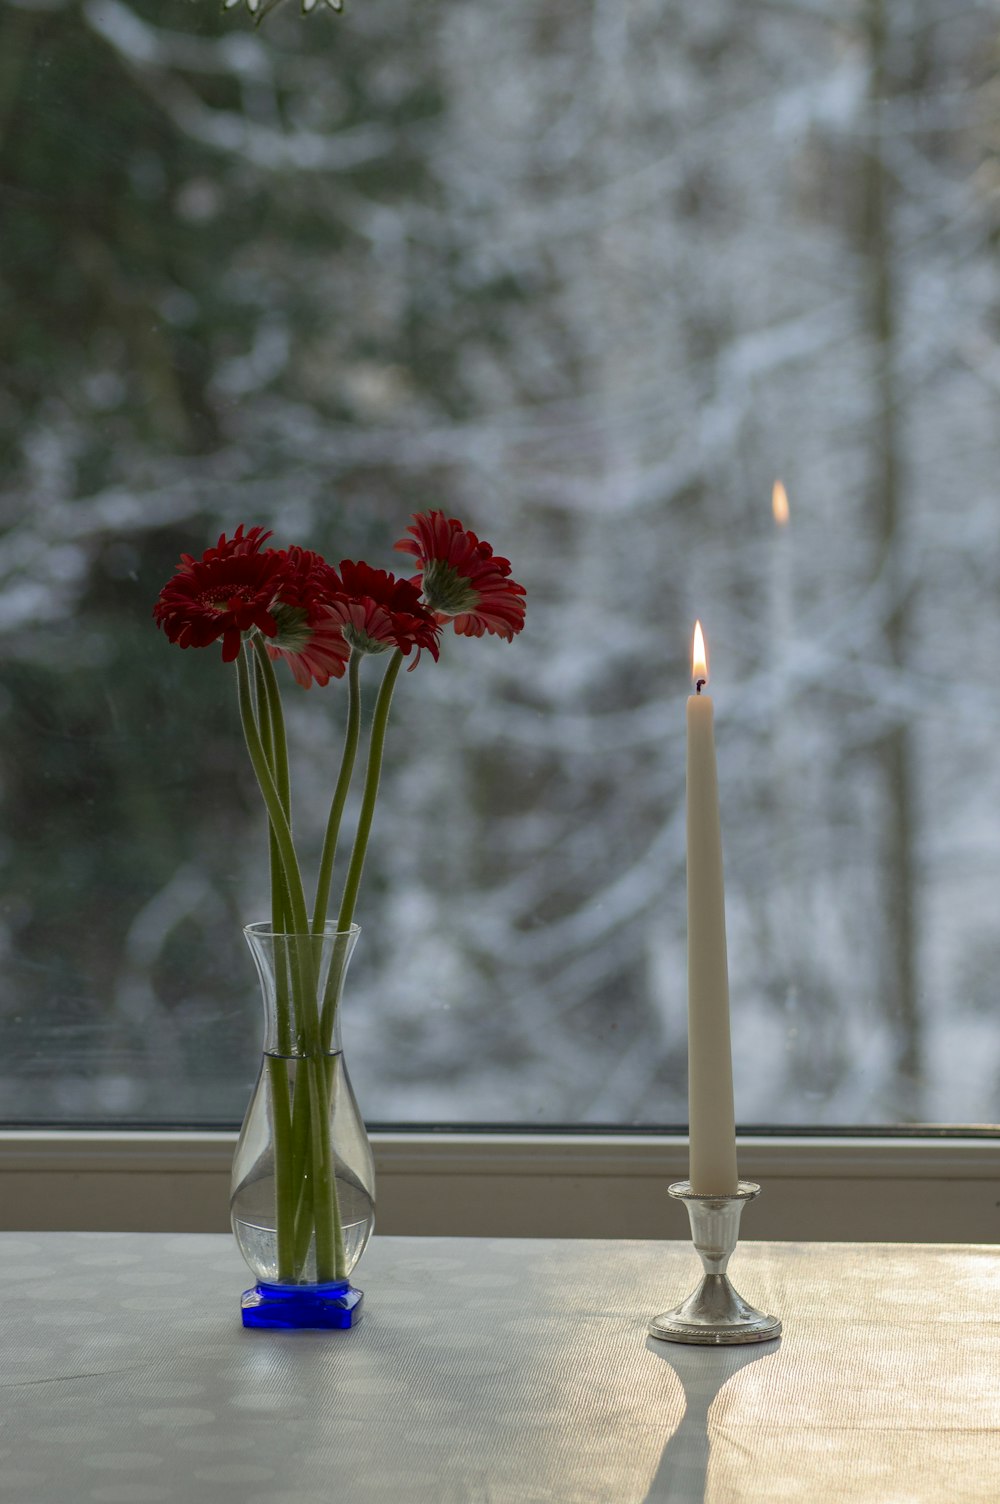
(297, 1307)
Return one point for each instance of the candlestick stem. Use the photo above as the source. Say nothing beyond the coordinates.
(714, 1315)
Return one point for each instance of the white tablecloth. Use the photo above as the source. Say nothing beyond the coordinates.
(497, 1372)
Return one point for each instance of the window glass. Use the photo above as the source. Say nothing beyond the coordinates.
(591, 278)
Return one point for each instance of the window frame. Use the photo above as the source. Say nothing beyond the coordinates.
(934, 1189)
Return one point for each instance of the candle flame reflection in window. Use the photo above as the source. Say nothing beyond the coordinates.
(779, 504)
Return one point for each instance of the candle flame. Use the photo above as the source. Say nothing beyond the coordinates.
(699, 657)
(779, 504)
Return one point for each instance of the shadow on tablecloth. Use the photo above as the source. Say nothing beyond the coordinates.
(682, 1473)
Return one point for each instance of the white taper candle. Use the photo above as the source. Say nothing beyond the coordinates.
(710, 1061)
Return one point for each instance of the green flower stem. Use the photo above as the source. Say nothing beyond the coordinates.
(317, 1208)
(289, 1152)
(272, 800)
(303, 986)
(284, 1168)
(330, 1064)
(330, 1236)
(373, 773)
(272, 697)
(272, 736)
(351, 739)
(304, 1220)
(309, 1198)
(277, 1072)
(325, 1190)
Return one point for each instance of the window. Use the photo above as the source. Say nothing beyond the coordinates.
(593, 279)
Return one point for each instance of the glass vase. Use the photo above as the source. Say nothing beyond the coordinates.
(303, 1186)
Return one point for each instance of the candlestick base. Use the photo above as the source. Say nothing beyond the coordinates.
(714, 1314)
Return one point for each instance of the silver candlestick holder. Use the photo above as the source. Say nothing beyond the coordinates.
(714, 1314)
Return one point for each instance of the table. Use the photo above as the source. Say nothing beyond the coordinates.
(497, 1372)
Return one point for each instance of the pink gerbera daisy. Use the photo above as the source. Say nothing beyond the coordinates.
(462, 578)
(309, 637)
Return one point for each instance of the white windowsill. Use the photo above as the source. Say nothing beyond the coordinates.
(521, 1184)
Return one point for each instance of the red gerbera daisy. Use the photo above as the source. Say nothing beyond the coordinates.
(309, 638)
(225, 593)
(239, 543)
(463, 578)
(377, 612)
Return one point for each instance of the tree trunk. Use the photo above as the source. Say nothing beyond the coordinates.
(894, 749)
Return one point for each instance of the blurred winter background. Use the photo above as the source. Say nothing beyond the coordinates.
(590, 274)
